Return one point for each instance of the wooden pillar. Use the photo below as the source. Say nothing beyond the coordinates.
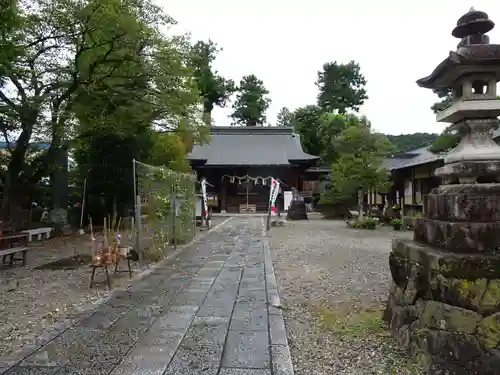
(413, 185)
(223, 197)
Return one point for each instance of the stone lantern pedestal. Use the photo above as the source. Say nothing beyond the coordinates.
(444, 302)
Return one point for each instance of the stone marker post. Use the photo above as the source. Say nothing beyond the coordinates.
(444, 302)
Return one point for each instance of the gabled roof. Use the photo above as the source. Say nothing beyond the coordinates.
(251, 146)
(412, 158)
(418, 156)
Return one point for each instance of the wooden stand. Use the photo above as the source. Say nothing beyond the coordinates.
(94, 267)
(128, 265)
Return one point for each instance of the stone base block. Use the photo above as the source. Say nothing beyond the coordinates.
(471, 171)
(445, 307)
(461, 237)
(472, 202)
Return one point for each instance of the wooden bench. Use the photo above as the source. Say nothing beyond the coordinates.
(10, 253)
(38, 232)
(8, 242)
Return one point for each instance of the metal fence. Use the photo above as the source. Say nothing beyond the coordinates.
(164, 209)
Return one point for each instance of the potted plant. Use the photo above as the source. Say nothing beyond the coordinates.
(396, 224)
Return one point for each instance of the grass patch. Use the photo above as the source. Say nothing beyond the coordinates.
(352, 322)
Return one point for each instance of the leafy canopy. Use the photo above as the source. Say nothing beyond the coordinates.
(252, 102)
(358, 164)
(213, 88)
(284, 118)
(341, 87)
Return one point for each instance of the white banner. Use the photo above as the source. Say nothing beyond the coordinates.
(273, 195)
(205, 198)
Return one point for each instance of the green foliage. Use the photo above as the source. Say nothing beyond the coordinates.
(404, 142)
(151, 89)
(445, 101)
(396, 222)
(357, 166)
(447, 140)
(306, 122)
(158, 187)
(285, 118)
(213, 88)
(71, 68)
(331, 127)
(363, 222)
(251, 103)
(341, 87)
(105, 159)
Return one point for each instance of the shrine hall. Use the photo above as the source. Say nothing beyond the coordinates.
(239, 162)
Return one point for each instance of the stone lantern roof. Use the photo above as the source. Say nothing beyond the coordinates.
(474, 53)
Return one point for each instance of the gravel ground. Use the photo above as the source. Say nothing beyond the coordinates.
(33, 300)
(334, 282)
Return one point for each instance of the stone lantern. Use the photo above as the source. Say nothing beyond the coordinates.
(444, 302)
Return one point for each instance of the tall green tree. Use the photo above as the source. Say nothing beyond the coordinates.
(341, 87)
(252, 102)
(306, 122)
(81, 67)
(155, 90)
(331, 127)
(358, 164)
(284, 118)
(213, 88)
(54, 43)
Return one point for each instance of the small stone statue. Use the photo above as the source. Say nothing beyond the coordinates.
(297, 209)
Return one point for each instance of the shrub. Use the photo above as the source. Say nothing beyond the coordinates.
(365, 222)
(396, 222)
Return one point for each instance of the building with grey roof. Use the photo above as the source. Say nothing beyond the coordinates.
(240, 161)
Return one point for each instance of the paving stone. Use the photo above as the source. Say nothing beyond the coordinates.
(253, 283)
(190, 297)
(208, 272)
(219, 257)
(251, 298)
(282, 363)
(151, 354)
(244, 371)
(216, 310)
(232, 274)
(176, 318)
(207, 331)
(277, 329)
(32, 370)
(195, 361)
(215, 264)
(105, 316)
(253, 319)
(247, 349)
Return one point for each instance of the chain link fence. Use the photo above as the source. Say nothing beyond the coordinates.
(164, 209)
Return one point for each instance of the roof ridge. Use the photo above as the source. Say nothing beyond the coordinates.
(251, 130)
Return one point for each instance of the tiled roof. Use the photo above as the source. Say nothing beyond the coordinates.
(412, 158)
(418, 156)
(251, 146)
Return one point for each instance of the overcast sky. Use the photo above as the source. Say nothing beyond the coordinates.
(285, 43)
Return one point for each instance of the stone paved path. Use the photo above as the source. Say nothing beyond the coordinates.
(205, 312)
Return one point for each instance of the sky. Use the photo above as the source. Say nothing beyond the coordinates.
(285, 43)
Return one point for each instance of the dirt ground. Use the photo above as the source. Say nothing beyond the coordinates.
(334, 283)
